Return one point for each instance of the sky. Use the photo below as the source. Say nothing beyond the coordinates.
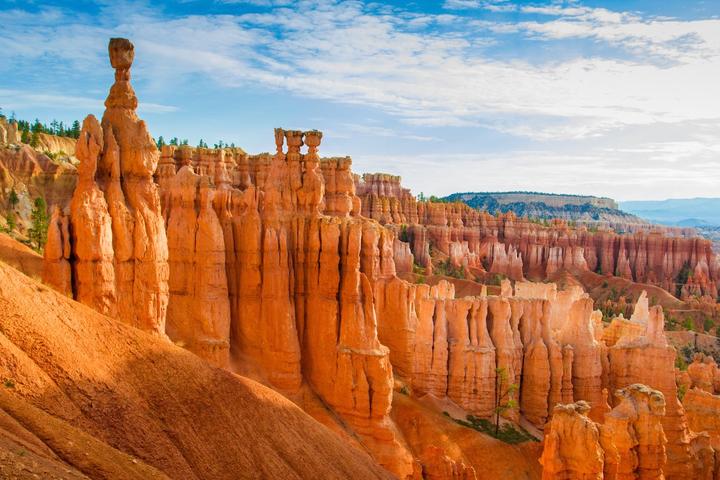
(610, 98)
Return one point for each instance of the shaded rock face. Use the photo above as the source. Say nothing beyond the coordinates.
(32, 174)
(629, 444)
(702, 409)
(454, 347)
(520, 249)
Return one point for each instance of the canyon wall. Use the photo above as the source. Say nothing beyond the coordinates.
(273, 266)
(519, 248)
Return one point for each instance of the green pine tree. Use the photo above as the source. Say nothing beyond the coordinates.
(39, 218)
(35, 139)
(13, 198)
(75, 130)
(504, 396)
(10, 220)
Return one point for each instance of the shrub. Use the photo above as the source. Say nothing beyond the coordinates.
(403, 236)
(13, 198)
(507, 433)
(11, 224)
(447, 269)
(680, 362)
(682, 390)
(688, 324)
(708, 324)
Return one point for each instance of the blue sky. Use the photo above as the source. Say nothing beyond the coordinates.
(615, 98)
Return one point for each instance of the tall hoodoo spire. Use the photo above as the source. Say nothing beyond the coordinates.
(119, 244)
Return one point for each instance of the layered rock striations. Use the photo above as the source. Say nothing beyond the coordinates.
(268, 265)
(32, 174)
(519, 248)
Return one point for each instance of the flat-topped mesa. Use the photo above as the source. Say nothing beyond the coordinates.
(119, 245)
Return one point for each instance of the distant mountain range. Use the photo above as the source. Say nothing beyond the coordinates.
(577, 208)
(684, 212)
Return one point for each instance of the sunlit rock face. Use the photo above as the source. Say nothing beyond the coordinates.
(518, 248)
(118, 242)
(629, 444)
(279, 266)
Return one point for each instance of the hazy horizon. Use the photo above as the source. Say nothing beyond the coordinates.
(605, 98)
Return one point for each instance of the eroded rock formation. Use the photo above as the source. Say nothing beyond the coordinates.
(268, 265)
(519, 248)
(117, 235)
(629, 444)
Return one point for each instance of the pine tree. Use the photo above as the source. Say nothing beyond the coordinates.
(75, 130)
(25, 136)
(37, 127)
(13, 198)
(35, 139)
(10, 220)
(160, 142)
(39, 218)
(504, 400)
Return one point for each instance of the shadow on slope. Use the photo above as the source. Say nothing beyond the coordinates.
(154, 401)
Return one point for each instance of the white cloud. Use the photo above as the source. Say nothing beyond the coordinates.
(16, 99)
(433, 71)
(491, 5)
(345, 52)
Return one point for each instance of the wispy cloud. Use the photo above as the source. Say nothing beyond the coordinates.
(15, 99)
(431, 72)
(348, 52)
(491, 5)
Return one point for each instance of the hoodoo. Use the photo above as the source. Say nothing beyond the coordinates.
(289, 269)
(119, 254)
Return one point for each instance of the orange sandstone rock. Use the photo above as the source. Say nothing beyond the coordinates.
(119, 247)
(572, 447)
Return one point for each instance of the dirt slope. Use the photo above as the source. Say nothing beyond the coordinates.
(132, 402)
(20, 256)
(492, 459)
